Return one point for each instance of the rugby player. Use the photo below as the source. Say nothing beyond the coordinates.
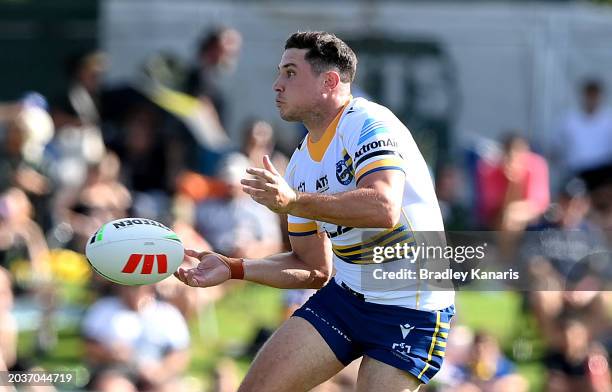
(355, 182)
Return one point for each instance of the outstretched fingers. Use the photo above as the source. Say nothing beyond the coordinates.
(269, 165)
(255, 183)
(262, 174)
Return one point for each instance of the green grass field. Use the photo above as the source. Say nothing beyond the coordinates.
(227, 329)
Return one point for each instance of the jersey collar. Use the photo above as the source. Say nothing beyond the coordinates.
(317, 149)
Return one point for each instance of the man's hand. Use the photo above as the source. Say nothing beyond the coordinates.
(269, 188)
(210, 271)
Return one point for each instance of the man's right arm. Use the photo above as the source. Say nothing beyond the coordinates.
(307, 265)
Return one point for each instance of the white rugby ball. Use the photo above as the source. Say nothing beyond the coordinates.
(134, 251)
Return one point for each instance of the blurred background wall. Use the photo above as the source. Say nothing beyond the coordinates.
(461, 68)
(36, 39)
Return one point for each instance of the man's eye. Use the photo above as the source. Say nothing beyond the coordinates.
(290, 73)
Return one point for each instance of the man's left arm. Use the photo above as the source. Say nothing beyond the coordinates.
(376, 203)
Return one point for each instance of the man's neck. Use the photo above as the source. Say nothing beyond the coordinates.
(318, 123)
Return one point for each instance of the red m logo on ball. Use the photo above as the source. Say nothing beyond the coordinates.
(147, 266)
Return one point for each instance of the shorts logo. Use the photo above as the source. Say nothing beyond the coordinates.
(406, 328)
(343, 172)
(374, 145)
(322, 184)
(402, 348)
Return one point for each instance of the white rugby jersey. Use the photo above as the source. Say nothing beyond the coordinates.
(364, 138)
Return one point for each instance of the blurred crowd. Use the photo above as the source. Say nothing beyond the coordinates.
(158, 147)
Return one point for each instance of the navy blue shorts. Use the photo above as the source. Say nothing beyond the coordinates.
(407, 339)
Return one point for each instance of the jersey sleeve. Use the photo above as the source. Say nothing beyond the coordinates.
(374, 143)
(297, 226)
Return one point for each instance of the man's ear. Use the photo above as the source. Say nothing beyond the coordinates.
(332, 79)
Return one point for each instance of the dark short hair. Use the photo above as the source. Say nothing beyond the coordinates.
(211, 39)
(592, 86)
(325, 52)
(510, 138)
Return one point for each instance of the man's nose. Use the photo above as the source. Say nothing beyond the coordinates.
(276, 86)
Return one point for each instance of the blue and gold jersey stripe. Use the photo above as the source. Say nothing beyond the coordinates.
(376, 154)
(382, 164)
(363, 252)
(302, 229)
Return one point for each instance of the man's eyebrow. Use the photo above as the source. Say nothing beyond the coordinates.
(287, 65)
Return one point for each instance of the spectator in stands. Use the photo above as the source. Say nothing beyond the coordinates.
(449, 188)
(585, 141)
(564, 255)
(225, 376)
(259, 141)
(514, 190)
(184, 213)
(190, 302)
(142, 154)
(581, 299)
(567, 318)
(112, 381)
(81, 103)
(77, 116)
(567, 364)
(28, 129)
(236, 224)
(217, 55)
(69, 154)
(137, 333)
(571, 210)
(8, 325)
(489, 370)
(457, 357)
(23, 247)
(563, 238)
(145, 163)
(20, 237)
(100, 199)
(601, 199)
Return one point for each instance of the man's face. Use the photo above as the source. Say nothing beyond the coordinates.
(297, 87)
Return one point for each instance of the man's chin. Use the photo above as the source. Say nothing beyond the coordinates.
(287, 116)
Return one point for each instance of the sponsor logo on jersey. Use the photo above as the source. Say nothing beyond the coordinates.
(302, 187)
(322, 184)
(374, 145)
(147, 266)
